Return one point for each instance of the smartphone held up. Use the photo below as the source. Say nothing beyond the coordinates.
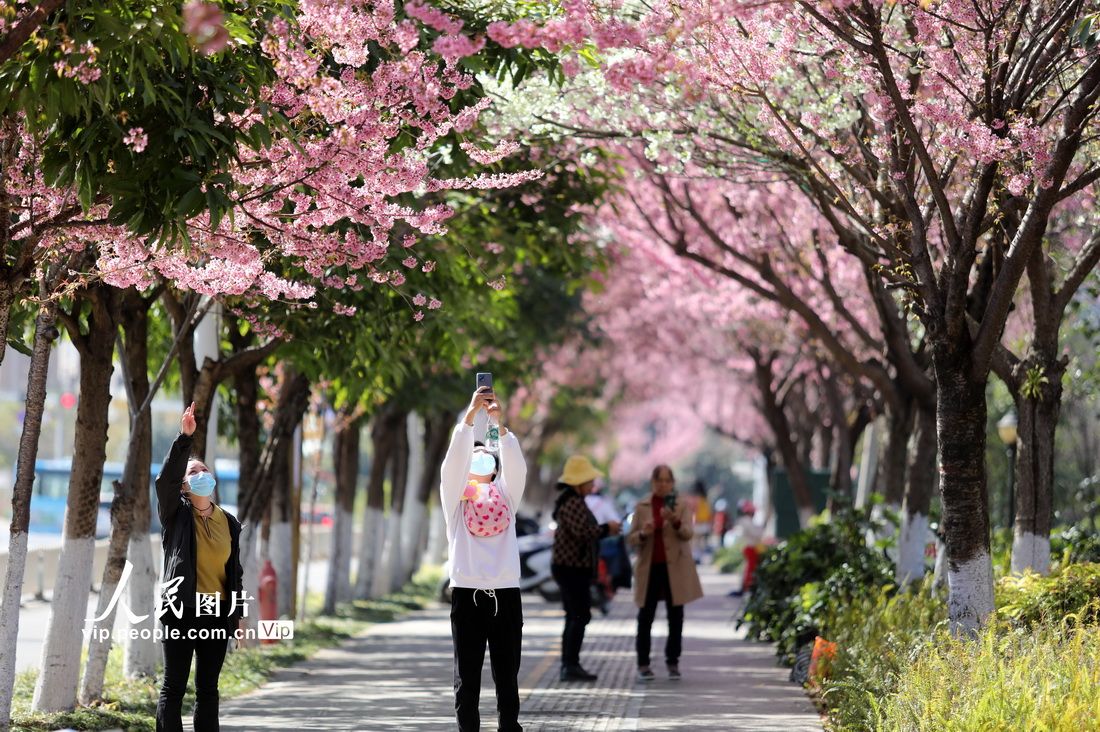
(492, 435)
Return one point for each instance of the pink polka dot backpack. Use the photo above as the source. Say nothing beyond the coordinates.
(486, 512)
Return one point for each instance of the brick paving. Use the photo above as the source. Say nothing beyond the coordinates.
(608, 650)
(398, 677)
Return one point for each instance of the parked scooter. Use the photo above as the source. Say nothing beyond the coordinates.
(534, 566)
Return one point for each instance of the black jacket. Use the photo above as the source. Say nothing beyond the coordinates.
(177, 536)
(578, 533)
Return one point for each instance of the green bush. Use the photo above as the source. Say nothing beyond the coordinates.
(1071, 591)
(1046, 679)
(828, 561)
(1076, 544)
(878, 636)
(897, 667)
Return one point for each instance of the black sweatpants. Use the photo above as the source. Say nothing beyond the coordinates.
(658, 589)
(209, 654)
(494, 617)
(576, 599)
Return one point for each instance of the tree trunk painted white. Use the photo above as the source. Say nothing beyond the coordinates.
(116, 574)
(44, 335)
(60, 669)
(437, 536)
(141, 651)
(99, 648)
(911, 544)
(345, 459)
(920, 481)
(370, 549)
(961, 423)
(970, 600)
(431, 541)
(413, 512)
(868, 463)
(338, 587)
(9, 620)
(59, 672)
(1030, 552)
(415, 533)
(280, 546)
(388, 567)
(1034, 468)
(250, 566)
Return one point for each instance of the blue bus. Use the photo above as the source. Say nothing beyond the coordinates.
(51, 490)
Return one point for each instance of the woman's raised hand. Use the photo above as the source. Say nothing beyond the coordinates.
(187, 423)
(483, 397)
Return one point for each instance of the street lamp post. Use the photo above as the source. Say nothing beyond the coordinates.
(1006, 429)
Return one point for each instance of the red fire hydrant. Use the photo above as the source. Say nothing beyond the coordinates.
(269, 606)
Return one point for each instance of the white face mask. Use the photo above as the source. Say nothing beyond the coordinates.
(483, 464)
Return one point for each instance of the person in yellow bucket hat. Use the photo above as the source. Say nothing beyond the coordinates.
(574, 558)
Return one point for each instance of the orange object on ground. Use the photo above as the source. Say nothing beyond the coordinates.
(821, 658)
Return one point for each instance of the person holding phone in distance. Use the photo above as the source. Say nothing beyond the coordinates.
(480, 491)
(665, 570)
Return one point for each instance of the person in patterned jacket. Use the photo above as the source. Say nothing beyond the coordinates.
(574, 557)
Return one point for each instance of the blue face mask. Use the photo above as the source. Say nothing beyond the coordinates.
(483, 464)
(201, 484)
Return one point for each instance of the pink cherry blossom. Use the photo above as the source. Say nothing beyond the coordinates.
(205, 23)
(136, 139)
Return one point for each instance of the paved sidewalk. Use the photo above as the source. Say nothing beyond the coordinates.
(398, 677)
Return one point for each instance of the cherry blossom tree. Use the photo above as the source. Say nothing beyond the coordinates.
(1035, 377)
(913, 127)
(684, 350)
(330, 200)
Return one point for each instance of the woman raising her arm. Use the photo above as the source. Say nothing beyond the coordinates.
(201, 583)
(480, 492)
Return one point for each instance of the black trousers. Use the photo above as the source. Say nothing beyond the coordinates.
(576, 599)
(209, 654)
(478, 618)
(658, 589)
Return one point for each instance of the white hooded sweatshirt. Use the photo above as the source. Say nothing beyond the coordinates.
(481, 563)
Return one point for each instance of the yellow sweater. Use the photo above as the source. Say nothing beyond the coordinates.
(212, 546)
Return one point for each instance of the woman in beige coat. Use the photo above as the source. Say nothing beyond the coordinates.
(665, 569)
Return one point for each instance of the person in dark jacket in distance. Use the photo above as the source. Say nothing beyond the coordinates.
(202, 601)
(574, 559)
